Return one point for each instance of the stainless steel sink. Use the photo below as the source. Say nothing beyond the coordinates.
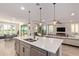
(30, 40)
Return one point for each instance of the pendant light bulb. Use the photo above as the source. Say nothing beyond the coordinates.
(55, 22)
(40, 23)
(29, 24)
(40, 17)
(36, 27)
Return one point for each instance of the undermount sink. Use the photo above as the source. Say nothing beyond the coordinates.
(30, 40)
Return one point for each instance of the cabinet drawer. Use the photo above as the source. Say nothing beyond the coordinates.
(17, 49)
(17, 46)
(24, 51)
(25, 44)
(35, 51)
(27, 51)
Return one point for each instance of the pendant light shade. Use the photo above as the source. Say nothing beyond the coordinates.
(55, 22)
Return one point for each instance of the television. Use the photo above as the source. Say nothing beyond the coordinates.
(60, 29)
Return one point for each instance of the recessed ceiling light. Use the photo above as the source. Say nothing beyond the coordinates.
(72, 14)
(22, 8)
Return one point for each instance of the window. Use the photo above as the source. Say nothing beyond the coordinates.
(24, 29)
(50, 29)
(7, 29)
(1, 29)
(74, 28)
(45, 29)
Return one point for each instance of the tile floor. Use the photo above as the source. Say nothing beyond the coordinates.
(7, 48)
(70, 50)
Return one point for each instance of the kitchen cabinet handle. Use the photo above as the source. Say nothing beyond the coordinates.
(23, 49)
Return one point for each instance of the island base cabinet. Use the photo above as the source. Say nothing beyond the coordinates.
(24, 49)
(37, 52)
(27, 51)
(17, 47)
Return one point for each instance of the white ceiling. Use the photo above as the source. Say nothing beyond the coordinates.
(63, 11)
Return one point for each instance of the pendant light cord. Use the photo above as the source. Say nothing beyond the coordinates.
(57, 22)
(54, 10)
(40, 14)
(29, 16)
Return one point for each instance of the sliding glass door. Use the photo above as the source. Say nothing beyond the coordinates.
(7, 29)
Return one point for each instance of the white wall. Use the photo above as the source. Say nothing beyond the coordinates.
(67, 25)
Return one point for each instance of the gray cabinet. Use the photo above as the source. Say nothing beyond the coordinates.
(37, 51)
(17, 46)
(27, 49)
(24, 49)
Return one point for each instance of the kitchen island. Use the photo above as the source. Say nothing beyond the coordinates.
(43, 46)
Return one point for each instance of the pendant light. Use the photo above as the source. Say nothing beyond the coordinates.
(40, 17)
(29, 19)
(29, 24)
(40, 22)
(55, 22)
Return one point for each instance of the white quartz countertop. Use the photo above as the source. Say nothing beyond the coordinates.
(48, 44)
